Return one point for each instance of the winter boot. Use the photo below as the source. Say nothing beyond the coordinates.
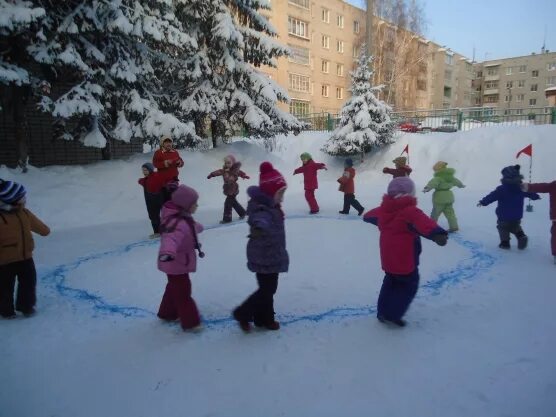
(224, 221)
(360, 212)
(273, 325)
(243, 324)
(313, 212)
(522, 241)
(504, 244)
(453, 230)
(30, 313)
(398, 322)
(343, 212)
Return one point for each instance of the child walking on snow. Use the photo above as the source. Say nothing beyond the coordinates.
(401, 170)
(177, 257)
(16, 251)
(266, 249)
(550, 188)
(347, 186)
(309, 170)
(230, 173)
(152, 183)
(509, 211)
(443, 197)
(401, 223)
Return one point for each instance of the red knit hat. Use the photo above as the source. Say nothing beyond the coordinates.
(270, 180)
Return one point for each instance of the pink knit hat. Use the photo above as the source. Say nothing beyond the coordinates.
(231, 158)
(270, 180)
(185, 197)
(401, 186)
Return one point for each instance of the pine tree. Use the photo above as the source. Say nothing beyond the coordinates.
(365, 122)
(224, 83)
(117, 55)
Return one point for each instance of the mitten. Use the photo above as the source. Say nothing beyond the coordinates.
(255, 233)
(440, 239)
(165, 258)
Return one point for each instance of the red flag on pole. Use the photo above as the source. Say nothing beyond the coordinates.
(406, 149)
(528, 150)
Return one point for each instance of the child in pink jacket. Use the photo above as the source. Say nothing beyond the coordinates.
(309, 170)
(177, 257)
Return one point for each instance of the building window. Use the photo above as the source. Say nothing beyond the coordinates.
(340, 21)
(421, 85)
(299, 107)
(339, 93)
(354, 52)
(326, 41)
(299, 83)
(519, 97)
(522, 68)
(356, 27)
(298, 27)
(519, 111)
(532, 101)
(325, 66)
(535, 73)
(550, 80)
(551, 66)
(521, 83)
(509, 70)
(325, 90)
(325, 15)
(301, 3)
(340, 70)
(509, 84)
(340, 46)
(479, 74)
(449, 59)
(508, 98)
(534, 87)
(492, 71)
(491, 84)
(299, 55)
(491, 99)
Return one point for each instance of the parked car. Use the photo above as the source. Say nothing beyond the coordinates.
(447, 126)
(412, 126)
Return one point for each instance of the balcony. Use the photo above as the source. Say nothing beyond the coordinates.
(491, 91)
(492, 77)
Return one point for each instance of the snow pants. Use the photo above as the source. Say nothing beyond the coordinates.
(396, 294)
(505, 228)
(448, 211)
(229, 204)
(259, 306)
(312, 201)
(177, 302)
(26, 276)
(553, 237)
(351, 201)
(154, 205)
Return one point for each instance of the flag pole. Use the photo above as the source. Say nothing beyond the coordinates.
(529, 206)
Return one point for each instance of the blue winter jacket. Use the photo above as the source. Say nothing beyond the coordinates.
(266, 248)
(510, 201)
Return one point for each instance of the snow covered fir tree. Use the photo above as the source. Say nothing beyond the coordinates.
(365, 120)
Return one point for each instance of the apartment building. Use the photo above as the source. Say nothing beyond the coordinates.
(516, 85)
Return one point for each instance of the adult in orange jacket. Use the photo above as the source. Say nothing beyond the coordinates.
(167, 160)
(347, 186)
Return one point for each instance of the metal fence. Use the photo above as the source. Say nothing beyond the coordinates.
(447, 120)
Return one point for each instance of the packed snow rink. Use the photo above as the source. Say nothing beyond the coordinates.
(480, 336)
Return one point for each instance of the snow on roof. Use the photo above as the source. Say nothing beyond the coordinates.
(551, 89)
(493, 64)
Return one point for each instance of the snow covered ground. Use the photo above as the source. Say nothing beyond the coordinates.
(480, 339)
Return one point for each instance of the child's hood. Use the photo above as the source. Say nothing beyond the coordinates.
(446, 174)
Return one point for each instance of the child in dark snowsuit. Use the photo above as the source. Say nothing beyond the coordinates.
(177, 257)
(266, 249)
(230, 173)
(309, 170)
(347, 186)
(401, 223)
(152, 183)
(550, 188)
(510, 206)
(401, 170)
(16, 251)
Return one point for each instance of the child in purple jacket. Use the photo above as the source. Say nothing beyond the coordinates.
(266, 249)
(177, 257)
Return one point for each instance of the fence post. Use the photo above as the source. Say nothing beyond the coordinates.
(553, 116)
(460, 119)
(328, 122)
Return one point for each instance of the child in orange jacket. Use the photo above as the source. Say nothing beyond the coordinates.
(347, 186)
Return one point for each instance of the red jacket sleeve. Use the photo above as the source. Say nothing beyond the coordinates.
(299, 170)
(372, 216)
(422, 223)
(387, 170)
(216, 173)
(243, 175)
(158, 160)
(141, 181)
(320, 165)
(407, 169)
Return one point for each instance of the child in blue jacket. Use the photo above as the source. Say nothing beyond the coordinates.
(510, 206)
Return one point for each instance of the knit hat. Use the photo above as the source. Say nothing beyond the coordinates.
(400, 160)
(348, 162)
(230, 158)
(270, 180)
(439, 165)
(511, 174)
(306, 156)
(165, 139)
(401, 186)
(184, 197)
(11, 192)
(148, 166)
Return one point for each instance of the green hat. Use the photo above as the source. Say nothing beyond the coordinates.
(306, 156)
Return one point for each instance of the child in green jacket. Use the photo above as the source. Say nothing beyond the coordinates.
(443, 198)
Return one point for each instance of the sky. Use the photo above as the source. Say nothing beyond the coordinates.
(495, 28)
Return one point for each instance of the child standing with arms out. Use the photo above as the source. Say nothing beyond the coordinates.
(401, 223)
(550, 188)
(401, 170)
(510, 206)
(230, 173)
(152, 184)
(266, 249)
(443, 197)
(309, 170)
(177, 257)
(16, 251)
(167, 160)
(347, 186)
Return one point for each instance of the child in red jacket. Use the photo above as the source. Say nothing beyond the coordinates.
(347, 186)
(309, 170)
(152, 183)
(401, 224)
(230, 173)
(550, 188)
(401, 170)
